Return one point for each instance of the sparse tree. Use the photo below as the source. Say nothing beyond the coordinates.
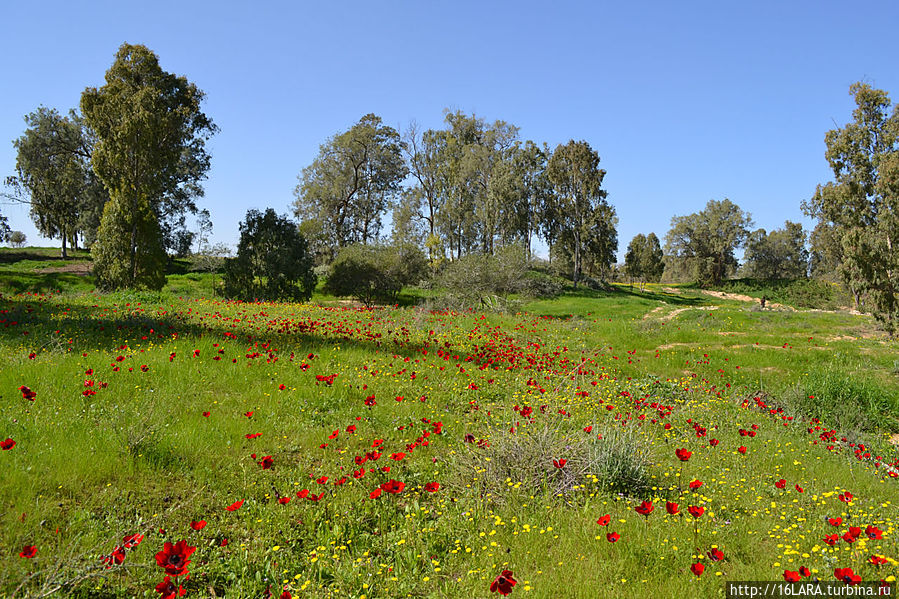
(349, 186)
(17, 239)
(643, 260)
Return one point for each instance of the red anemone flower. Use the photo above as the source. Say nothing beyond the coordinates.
(173, 558)
(604, 520)
(874, 533)
(682, 454)
(432, 487)
(696, 510)
(28, 551)
(791, 576)
(503, 583)
(834, 521)
(167, 589)
(781, 484)
(198, 524)
(697, 569)
(716, 555)
(695, 485)
(284, 500)
(671, 507)
(560, 463)
(8, 444)
(267, 462)
(742, 449)
(645, 508)
(130, 541)
(393, 486)
(847, 575)
(375, 494)
(612, 537)
(235, 506)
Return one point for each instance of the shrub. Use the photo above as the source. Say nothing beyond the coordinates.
(371, 273)
(272, 263)
(17, 239)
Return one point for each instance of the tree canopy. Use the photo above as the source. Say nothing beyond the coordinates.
(701, 245)
(643, 260)
(351, 183)
(273, 261)
(150, 154)
(858, 212)
(780, 254)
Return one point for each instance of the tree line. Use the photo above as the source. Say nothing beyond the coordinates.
(122, 174)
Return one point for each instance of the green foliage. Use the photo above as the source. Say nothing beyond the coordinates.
(17, 239)
(700, 247)
(53, 171)
(476, 279)
(643, 260)
(128, 251)
(583, 223)
(350, 184)
(272, 263)
(858, 212)
(371, 273)
(780, 254)
(150, 154)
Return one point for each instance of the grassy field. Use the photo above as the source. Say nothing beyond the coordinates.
(337, 451)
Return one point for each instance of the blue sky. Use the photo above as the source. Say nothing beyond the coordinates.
(685, 102)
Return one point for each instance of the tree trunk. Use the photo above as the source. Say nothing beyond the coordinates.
(64, 236)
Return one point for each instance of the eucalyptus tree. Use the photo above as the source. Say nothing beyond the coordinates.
(582, 218)
(861, 204)
(349, 186)
(150, 154)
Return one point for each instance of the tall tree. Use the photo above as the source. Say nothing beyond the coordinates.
(150, 153)
(643, 260)
(54, 176)
(861, 204)
(578, 202)
(701, 245)
(780, 254)
(349, 186)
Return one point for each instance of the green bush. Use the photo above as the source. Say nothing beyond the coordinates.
(272, 263)
(370, 273)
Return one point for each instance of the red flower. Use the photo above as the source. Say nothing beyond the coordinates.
(713, 442)
(198, 524)
(742, 449)
(847, 575)
(235, 506)
(286, 595)
(167, 589)
(695, 485)
(682, 454)
(834, 521)
(805, 572)
(503, 583)
(848, 537)
(697, 569)
(846, 498)
(321, 480)
(696, 511)
(604, 520)
(560, 463)
(129, 541)
(8, 444)
(645, 508)
(282, 387)
(393, 486)
(671, 507)
(612, 537)
(375, 494)
(874, 533)
(831, 539)
(781, 484)
(303, 494)
(27, 393)
(174, 557)
(800, 489)
(716, 555)
(877, 560)
(791, 576)
(28, 551)
(284, 500)
(266, 462)
(432, 487)
(206, 414)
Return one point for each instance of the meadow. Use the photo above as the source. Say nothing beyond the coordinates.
(598, 444)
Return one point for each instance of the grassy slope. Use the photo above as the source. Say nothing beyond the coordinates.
(139, 455)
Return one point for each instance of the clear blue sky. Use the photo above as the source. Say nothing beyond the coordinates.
(684, 101)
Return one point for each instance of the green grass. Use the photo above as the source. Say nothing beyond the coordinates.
(138, 455)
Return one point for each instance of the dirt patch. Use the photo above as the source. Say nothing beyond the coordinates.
(671, 290)
(895, 439)
(729, 333)
(653, 311)
(77, 268)
(674, 313)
